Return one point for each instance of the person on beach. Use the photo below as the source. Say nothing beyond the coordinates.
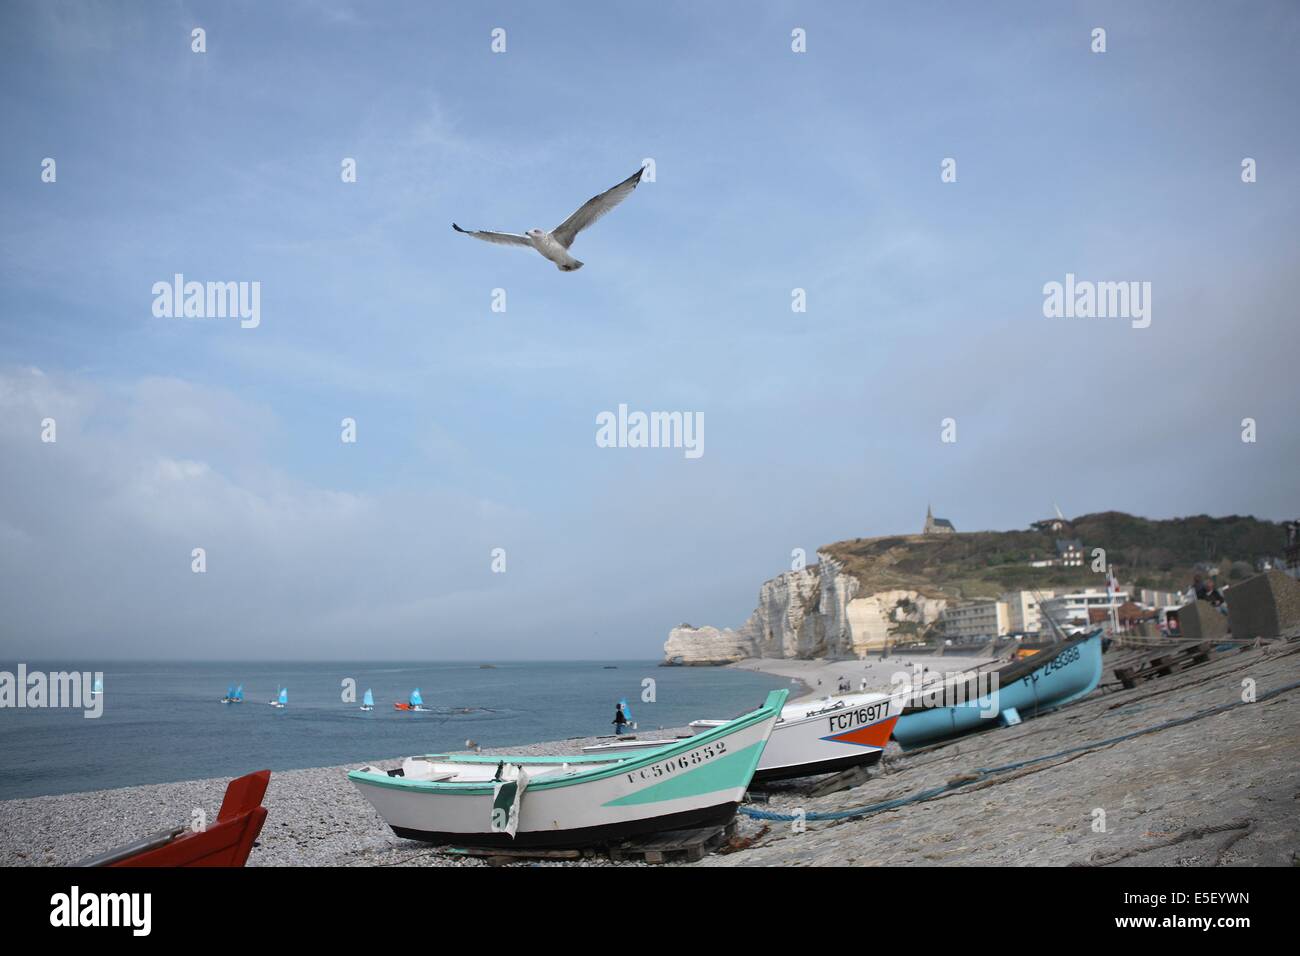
(620, 720)
(1208, 591)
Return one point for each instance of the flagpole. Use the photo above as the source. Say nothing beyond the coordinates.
(1113, 587)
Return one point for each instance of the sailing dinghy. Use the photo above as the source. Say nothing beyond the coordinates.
(282, 701)
(414, 702)
(812, 737)
(483, 800)
(368, 701)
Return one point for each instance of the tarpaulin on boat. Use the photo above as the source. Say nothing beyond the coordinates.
(507, 795)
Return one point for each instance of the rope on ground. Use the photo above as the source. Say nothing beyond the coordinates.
(1191, 833)
(984, 773)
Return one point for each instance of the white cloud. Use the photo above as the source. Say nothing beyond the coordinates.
(99, 527)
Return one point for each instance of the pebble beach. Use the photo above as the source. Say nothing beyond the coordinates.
(1217, 790)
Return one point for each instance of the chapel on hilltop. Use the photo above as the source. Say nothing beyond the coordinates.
(935, 525)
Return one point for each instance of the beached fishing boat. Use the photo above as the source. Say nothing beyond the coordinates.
(226, 843)
(482, 800)
(414, 702)
(368, 700)
(1024, 688)
(820, 736)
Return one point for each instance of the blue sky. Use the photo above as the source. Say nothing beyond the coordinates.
(774, 170)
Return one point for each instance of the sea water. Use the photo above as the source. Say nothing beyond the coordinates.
(164, 721)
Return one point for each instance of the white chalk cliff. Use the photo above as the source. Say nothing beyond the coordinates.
(812, 612)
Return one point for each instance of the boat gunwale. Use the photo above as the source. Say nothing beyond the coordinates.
(880, 697)
(902, 695)
(605, 767)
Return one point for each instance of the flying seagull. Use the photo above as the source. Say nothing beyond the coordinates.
(555, 244)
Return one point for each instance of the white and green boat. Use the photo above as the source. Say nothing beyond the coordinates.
(497, 800)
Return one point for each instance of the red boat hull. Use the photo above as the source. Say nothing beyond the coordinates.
(227, 842)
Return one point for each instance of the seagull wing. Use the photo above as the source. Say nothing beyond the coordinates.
(594, 208)
(500, 238)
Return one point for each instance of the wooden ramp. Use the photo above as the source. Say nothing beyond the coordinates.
(1164, 664)
(502, 856)
(670, 846)
(678, 846)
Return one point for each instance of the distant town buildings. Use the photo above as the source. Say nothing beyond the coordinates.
(1127, 615)
(1051, 525)
(1023, 614)
(1156, 599)
(978, 621)
(935, 525)
(1069, 552)
(1070, 610)
(1055, 525)
(1026, 613)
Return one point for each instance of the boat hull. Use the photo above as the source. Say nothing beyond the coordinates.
(227, 842)
(582, 801)
(1045, 681)
(830, 736)
(718, 815)
(831, 765)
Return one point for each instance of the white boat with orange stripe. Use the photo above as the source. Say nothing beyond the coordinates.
(812, 737)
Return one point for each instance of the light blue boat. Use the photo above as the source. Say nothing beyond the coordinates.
(368, 700)
(1024, 688)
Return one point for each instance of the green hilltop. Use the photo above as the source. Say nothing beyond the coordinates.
(1162, 555)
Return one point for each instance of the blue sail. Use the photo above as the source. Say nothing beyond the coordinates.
(284, 695)
(369, 699)
(99, 686)
(239, 692)
(416, 700)
(230, 690)
(627, 711)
